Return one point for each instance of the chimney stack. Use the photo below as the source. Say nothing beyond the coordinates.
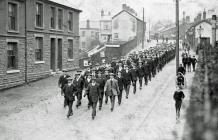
(102, 13)
(187, 19)
(88, 23)
(204, 15)
(124, 7)
(199, 16)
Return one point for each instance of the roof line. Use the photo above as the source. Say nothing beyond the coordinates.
(128, 13)
(75, 9)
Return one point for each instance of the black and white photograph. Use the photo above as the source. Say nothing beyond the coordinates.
(109, 69)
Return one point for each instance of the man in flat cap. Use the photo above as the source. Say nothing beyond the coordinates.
(79, 83)
(111, 89)
(101, 81)
(63, 81)
(93, 93)
(69, 90)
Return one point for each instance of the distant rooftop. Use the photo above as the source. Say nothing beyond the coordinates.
(67, 3)
(92, 24)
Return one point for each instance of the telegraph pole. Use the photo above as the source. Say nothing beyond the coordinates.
(177, 35)
(143, 32)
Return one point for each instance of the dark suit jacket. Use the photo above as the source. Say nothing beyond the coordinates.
(79, 84)
(63, 80)
(126, 77)
(69, 92)
(120, 83)
(134, 74)
(93, 92)
(101, 81)
(141, 71)
(146, 69)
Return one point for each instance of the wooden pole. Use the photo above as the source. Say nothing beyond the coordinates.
(143, 32)
(177, 35)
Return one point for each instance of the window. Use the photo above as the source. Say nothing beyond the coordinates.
(60, 19)
(116, 36)
(53, 14)
(83, 45)
(106, 27)
(83, 33)
(116, 24)
(12, 55)
(70, 21)
(39, 15)
(39, 49)
(12, 16)
(92, 34)
(70, 49)
(97, 35)
(133, 25)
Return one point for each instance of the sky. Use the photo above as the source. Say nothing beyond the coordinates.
(155, 10)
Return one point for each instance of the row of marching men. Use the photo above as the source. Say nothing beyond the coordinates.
(107, 82)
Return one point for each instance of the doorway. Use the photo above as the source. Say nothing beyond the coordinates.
(52, 58)
(59, 54)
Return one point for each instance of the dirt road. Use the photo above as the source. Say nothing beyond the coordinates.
(149, 115)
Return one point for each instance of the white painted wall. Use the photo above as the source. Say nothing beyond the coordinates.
(206, 32)
(125, 25)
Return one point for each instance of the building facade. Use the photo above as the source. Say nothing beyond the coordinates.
(105, 27)
(89, 35)
(37, 37)
(126, 26)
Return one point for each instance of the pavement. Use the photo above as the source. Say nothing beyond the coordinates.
(36, 112)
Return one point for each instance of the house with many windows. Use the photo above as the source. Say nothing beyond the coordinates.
(37, 37)
(126, 26)
(105, 27)
(89, 34)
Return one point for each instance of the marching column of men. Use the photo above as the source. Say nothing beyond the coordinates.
(108, 81)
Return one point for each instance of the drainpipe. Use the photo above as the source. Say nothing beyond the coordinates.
(25, 16)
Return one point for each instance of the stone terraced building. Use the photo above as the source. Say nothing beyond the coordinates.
(37, 37)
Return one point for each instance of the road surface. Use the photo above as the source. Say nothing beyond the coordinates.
(149, 115)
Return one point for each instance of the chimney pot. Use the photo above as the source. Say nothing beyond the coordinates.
(88, 23)
(204, 15)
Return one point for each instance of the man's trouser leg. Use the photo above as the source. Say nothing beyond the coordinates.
(70, 111)
(106, 98)
(134, 87)
(101, 99)
(146, 79)
(112, 98)
(120, 97)
(140, 82)
(89, 101)
(127, 90)
(79, 98)
(193, 67)
(94, 105)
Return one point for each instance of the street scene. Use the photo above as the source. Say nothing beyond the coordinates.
(108, 70)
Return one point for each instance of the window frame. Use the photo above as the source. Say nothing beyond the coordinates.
(72, 49)
(55, 17)
(83, 44)
(43, 11)
(16, 55)
(17, 17)
(116, 36)
(70, 12)
(83, 33)
(62, 26)
(42, 49)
